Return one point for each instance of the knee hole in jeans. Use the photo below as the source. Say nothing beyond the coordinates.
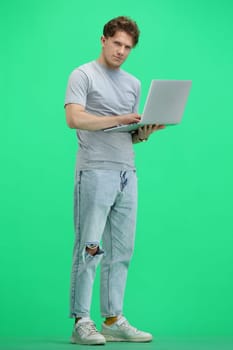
(92, 249)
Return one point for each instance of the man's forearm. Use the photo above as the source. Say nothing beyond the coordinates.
(86, 121)
(78, 118)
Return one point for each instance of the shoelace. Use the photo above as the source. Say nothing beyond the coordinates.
(87, 328)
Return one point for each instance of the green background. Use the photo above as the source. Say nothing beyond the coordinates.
(180, 281)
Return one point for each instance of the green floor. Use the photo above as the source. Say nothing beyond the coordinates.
(157, 344)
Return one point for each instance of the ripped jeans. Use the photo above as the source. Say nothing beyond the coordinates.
(105, 205)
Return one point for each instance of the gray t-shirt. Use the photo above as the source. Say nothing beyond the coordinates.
(103, 91)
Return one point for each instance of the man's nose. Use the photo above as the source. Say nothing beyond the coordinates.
(121, 50)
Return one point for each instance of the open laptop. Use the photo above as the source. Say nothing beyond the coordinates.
(164, 105)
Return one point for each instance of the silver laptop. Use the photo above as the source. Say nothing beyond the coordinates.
(164, 105)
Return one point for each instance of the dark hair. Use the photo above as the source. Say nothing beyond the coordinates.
(122, 23)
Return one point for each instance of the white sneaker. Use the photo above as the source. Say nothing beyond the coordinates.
(121, 330)
(85, 332)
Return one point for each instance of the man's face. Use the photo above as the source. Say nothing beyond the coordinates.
(116, 49)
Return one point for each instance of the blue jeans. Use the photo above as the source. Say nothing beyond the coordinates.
(105, 205)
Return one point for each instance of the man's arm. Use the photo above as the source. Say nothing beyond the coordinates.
(78, 118)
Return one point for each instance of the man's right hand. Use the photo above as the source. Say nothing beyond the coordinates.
(129, 118)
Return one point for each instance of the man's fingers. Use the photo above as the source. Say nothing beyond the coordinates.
(145, 131)
(158, 127)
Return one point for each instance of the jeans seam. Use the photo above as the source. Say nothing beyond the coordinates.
(109, 284)
(77, 232)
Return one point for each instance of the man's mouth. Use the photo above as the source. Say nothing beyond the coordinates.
(118, 58)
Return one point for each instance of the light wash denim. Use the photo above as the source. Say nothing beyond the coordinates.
(105, 205)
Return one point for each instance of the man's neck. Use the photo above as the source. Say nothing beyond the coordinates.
(103, 63)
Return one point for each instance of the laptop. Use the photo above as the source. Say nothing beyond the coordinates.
(165, 104)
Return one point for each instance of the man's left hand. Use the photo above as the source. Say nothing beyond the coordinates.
(145, 131)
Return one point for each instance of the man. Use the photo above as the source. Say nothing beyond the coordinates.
(101, 95)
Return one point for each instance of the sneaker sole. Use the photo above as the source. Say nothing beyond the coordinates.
(90, 342)
(110, 338)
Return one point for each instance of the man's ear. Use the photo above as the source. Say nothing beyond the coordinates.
(103, 40)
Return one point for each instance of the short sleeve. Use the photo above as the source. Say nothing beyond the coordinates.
(77, 88)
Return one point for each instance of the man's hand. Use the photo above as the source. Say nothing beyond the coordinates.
(129, 118)
(145, 131)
